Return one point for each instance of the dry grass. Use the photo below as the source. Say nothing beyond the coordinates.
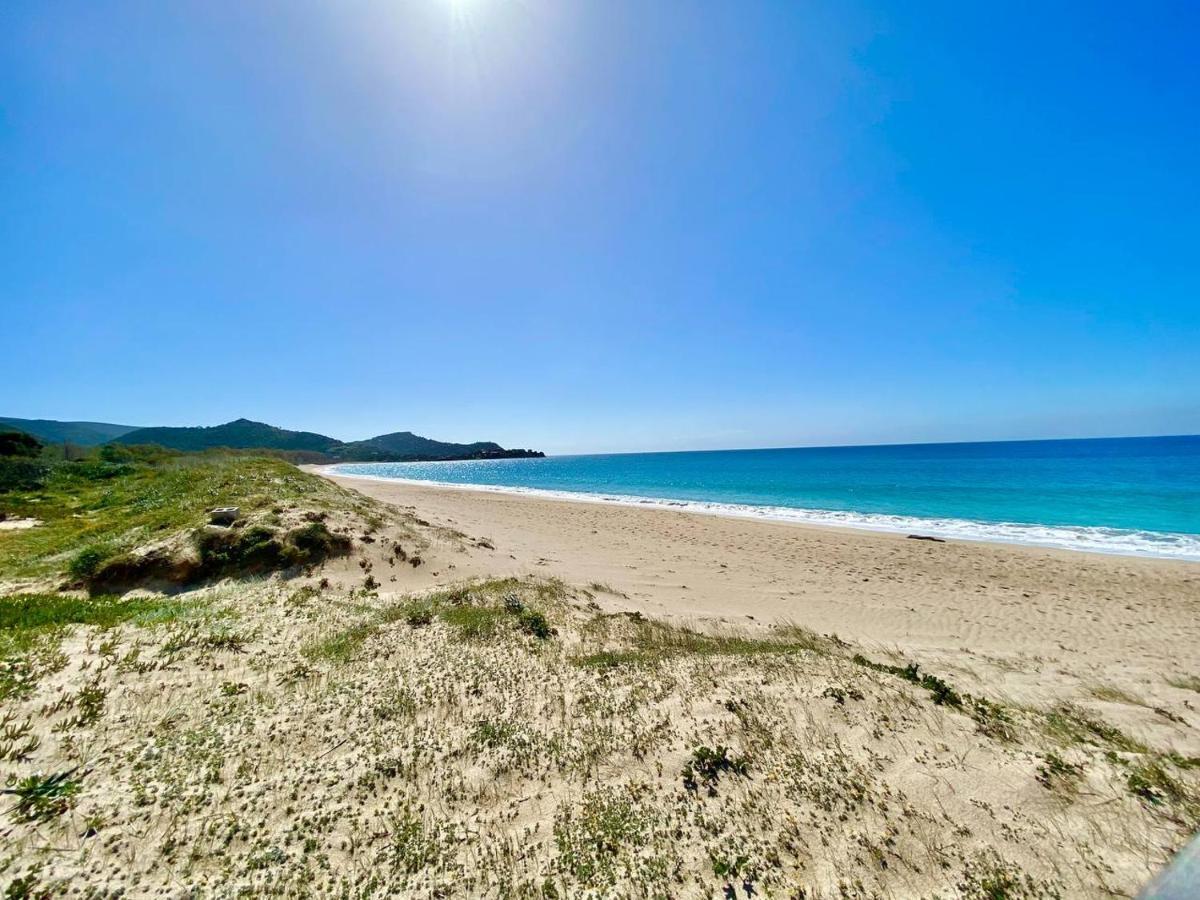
(320, 742)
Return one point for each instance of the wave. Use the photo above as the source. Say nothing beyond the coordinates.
(1090, 539)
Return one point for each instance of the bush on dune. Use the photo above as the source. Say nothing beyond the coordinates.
(223, 553)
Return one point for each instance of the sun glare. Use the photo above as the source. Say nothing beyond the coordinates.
(460, 10)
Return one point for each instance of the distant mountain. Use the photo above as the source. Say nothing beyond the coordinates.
(400, 446)
(404, 445)
(87, 434)
(240, 434)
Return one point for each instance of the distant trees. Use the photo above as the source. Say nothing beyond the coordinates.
(18, 443)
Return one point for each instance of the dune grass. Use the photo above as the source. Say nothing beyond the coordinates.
(477, 612)
(94, 511)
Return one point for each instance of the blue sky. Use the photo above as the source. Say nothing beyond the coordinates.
(604, 226)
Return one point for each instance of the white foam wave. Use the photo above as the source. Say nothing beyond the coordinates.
(1091, 539)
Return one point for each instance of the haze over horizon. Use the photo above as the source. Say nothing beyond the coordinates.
(603, 227)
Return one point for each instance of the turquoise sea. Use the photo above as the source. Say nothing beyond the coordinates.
(1115, 495)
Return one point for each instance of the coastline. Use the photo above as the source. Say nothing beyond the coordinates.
(1074, 539)
(1123, 618)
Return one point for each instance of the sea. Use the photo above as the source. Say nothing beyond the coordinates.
(1138, 496)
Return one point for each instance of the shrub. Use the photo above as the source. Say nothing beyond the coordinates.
(95, 470)
(20, 474)
(87, 562)
(943, 694)
(255, 550)
(535, 623)
(127, 571)
(18, 443)
(147, 454)
(316, 543)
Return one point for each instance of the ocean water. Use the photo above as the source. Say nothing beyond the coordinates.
(1136, 496)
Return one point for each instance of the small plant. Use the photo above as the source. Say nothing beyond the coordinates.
(992, 719)
(942, 693)
(297, 673)
(342, 646)
(989, 877)
(610, 659)
(731, 866)
(707, 765)
(534, 623)
(606, 838)
(17, 740)
(472, 622)
(28, 886)
(418, 615)
(1055, 772)
(89, 706)
(41, 798)
(302, 596)
(1071, 724)
(411, 844)
(838, 695)
(1151, 782)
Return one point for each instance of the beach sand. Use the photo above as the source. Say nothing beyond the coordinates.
(501, 695)
(1034, 625)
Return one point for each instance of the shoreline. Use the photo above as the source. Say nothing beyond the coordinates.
(1128, 617)
(1091, 540)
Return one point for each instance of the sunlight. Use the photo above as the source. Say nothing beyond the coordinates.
(461, 10)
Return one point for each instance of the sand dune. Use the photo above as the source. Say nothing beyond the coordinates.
(1034, 625)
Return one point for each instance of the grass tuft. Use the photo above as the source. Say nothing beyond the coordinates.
(41, 798)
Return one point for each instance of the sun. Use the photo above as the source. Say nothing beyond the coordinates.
(460, 10)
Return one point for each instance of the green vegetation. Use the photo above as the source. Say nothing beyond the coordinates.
(1152, 781)
(41, 798)
(342, 646)
(1110, 694)
(989, 877)
(84, 434)
(707, 765)
(646, 641)
(17, 443)
(939, 690)
(125, 498)
(25, 614)
(1070, 724)
(32, 627)
(1055, 773)
(476, 612)
(604, 841)
(1186, 683)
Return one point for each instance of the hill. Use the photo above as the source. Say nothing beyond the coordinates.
(87, 434)
(404, 445)
(240, 434)
(245, 434)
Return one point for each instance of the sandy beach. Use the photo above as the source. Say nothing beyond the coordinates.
(386, 689)
(1035, 625)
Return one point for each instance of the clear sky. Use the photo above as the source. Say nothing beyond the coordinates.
(606, 225)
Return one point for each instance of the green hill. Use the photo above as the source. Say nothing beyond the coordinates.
(404, 445)
(87, 434)
(245, 434)
(241, 433)
(399, 446)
